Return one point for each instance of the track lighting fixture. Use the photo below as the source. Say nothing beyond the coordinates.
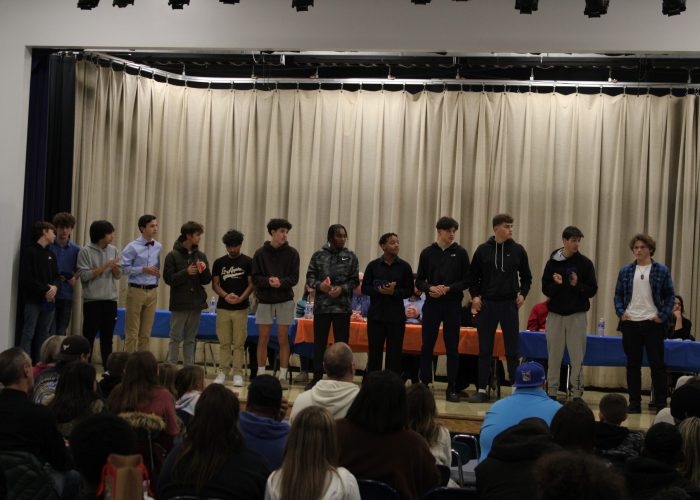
(421, 2)
(178, 4)
(302, 5)
(596, 8)
(672, 7)
(230, 2)
(122, 3)
(87, 4)
(526, 6)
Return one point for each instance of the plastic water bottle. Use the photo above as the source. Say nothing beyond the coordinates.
(601, 327)
(309, 310)
(212, 305)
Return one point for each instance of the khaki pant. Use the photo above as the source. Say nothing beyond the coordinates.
(570, 332)
(140, 314)
(232, 330)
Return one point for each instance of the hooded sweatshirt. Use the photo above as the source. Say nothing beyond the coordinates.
(495, 269)
(264, 435)
(617, 443)
(186, 291)
(282, 262)
(102, 287)
(341, 267)
(340, 485)
(649, 478)
(566, 299)
(333, 395)
(449, 267)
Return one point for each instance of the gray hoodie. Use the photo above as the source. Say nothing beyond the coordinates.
(104, 286)
(333, 395)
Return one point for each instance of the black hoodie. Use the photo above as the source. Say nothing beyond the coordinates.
(282, 262)
(187, 292)
(566, 299)
(495, 269)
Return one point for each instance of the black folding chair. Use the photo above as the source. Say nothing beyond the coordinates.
(376, 490)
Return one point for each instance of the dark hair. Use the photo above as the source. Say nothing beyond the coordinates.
(233, 238)
(137, 385)
(211, 437)
(275, 224)
(446, 223)
(99, 229)
(499, 219)
(265, 395)
(385, 237)
(380, 406)
(337, 360)
(116, 363)
(188, 378)
(614, 408)
(96, 437)
(573, 426)
(166, 377)
(75, 392)
(145, 219)
(646, 239)
(685, 401)
(680, 299)
(191, 227)
(422, 412)
(571, 232)
(663, 442)
(63, 219)
(12, 363)
(333, 229)
(39, 227)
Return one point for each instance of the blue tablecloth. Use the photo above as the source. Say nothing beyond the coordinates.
(607, 351)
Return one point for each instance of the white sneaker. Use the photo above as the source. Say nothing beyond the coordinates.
(220, 377)
(237, 381)
(282, 377)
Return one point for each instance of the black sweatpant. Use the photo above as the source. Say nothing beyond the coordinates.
(100, 316)
(322, 326)
(492, 313)
(637, 336)
(449, 313)
(379, 332)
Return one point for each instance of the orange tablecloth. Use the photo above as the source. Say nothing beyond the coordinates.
(468, 339)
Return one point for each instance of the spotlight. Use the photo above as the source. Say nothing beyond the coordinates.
(88, 4)
(178, 4)
(421, 2)
(302, 5)
(122, 3)
(526, 6)
(230, 2)
(672, 7)
(596, 8)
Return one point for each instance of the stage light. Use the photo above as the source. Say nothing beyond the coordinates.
(526, 6)
(302, 5)
(178, 4)
(122, 3)
(421, 2)
(230, 2)
(672, 7)
(596, 8)
(88, 4)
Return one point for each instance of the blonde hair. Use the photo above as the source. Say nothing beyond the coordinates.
(166, 377)
(50, 349)
(690, 431)
(310, 454)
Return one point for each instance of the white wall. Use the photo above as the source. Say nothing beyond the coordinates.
(386, 25)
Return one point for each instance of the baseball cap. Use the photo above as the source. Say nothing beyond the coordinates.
(72, 347)
(529, 374)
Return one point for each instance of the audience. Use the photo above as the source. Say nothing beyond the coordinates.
(73, 348)
(690, 432)
(115, 371)
(375, 443)
(612, 441)
(528, 400)
(573, 427)
(75, 396)
(537, 320)
(261, 424)
(310, 465)
(685, 401)
(189, 384)
(166, 377)
(214, 461)
(422, 412)
(679, 327)
(47, 354)
(359, 301)
(335, 393)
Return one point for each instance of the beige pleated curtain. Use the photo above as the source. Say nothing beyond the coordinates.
(394, 161)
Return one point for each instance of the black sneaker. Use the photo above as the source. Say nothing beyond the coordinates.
(634, 408)
(478, 397)
(452, 396)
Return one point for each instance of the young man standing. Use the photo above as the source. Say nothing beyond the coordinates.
(186, 270)
(232, 282)
(38, 281)
(66, 253)
(141, 264)
(569, 282)
(275, 272)
(98, 268)
(644, 298)
(500, 279)
(443, 269)
(333, 272)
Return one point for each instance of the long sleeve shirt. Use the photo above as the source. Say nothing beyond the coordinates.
(137, 255)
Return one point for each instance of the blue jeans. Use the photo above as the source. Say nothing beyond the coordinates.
(37, 322)
(59, 325)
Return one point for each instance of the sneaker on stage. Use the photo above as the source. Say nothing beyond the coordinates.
(220, 377)
(302, 378)
(478, 397)
(237, 381)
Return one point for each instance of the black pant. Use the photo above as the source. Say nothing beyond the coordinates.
(322, 325)
(100, 316)
(636, 336)
(448, 312)
(377, 333)
(492, 313)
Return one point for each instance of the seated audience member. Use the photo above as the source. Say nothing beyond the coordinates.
(468, 372)
(664, 414)
(73, 348)
(538, 316)
(306, 363)
(214, 460)
(528, 400)
(115, 371)
(75, 397)
(92, 441)
(359, 302)
(310, 465)
(577, 476)
(685, 401)
(337, 391)
(410, 363)
(422, 413)
(573, 427)
(189, 384)
(375, 443)
(612, 441)
(166, 377)
(261, 424)
(654, 474)
(513, 456)
(690, 432)
(679, 327)
(47, 354)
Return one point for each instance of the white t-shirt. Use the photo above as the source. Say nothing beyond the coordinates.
(641, 307)
(342, 486)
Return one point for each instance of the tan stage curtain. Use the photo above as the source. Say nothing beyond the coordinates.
(394, 161)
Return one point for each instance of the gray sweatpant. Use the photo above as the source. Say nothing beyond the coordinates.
(183, 329)
(570, 332)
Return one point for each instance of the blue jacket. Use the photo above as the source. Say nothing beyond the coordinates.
(264, 435)
(661, 289)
